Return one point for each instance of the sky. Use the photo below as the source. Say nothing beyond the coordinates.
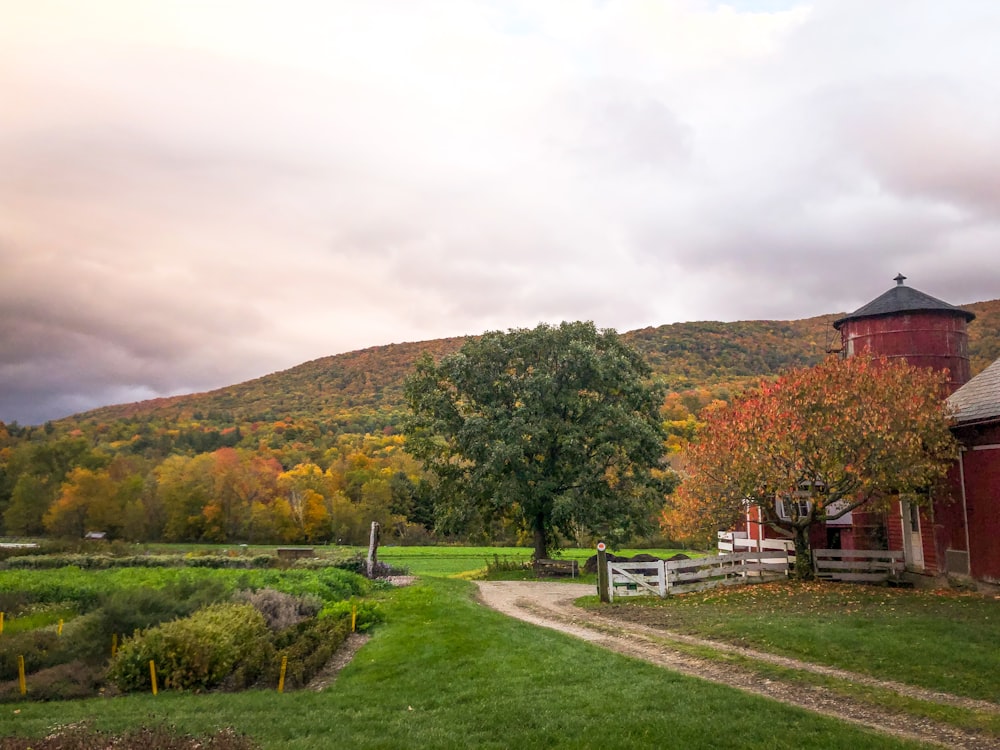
(194, 193)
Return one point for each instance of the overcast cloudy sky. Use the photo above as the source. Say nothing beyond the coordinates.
(193, 194)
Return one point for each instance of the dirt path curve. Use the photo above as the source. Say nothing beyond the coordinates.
(550, 605)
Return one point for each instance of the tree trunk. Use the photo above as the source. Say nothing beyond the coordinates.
(541, 542)
(803, 555)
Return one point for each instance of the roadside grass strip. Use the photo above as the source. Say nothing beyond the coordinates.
(940, 640)
(445, 672)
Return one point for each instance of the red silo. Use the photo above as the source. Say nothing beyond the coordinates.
(908, 324)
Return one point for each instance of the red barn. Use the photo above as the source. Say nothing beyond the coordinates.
(966, 531)
(960, 533)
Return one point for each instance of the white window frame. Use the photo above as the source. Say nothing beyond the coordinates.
(780, 507)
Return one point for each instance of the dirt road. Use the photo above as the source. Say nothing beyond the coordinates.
(550, 605)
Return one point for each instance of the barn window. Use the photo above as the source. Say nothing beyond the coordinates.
(790, 510)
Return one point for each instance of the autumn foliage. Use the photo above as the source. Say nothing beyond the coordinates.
(823, 440)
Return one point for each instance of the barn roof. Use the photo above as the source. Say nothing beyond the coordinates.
(902, 299)
(979, 399)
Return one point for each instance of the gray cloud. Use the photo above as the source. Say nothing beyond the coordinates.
(187, 202)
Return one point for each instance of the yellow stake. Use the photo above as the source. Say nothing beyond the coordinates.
(281, 679)
(354, 617)
(152, 675)
(114, 644)
(20, 675)
(59, 632)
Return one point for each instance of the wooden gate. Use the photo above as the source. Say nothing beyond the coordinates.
(662, 577)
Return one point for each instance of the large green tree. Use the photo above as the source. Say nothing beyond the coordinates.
(556, 427)
(847, 434)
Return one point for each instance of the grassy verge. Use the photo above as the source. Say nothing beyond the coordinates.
(445, 672)
(987, 722)
(448, 561)
(939, 640)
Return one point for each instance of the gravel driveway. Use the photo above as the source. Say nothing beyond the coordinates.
(550, 605)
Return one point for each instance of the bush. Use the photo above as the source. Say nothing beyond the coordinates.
(308, 646)
(359, 564)
(126, 611)
(367, 613)
(281, 610)
(196, 652)
(91, 561)
(43, 648)
(69, 681)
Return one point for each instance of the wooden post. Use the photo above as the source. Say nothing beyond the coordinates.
(281, 679)
(20, 675)
(373, 549)
(603, 582)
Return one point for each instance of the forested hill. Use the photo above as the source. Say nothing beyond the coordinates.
(361, 391)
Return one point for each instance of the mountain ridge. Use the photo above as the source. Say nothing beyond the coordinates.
(354, 386)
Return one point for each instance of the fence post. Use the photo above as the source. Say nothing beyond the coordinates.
(281, 678)
(603, 579)
(661, 568)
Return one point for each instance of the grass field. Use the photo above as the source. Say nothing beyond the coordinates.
(444, 672)
(942, 640)
(447, 561)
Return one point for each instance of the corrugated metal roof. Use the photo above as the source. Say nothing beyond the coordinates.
(979, 399)
(902, 299)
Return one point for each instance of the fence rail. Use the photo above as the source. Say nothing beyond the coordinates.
(737, 541)
(663, 577)
(864, 565)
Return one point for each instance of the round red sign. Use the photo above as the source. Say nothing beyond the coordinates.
(601, 547)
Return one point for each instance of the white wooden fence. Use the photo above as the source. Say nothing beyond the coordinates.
(774, 561)
(737, 541)
(859, 565)
(662, 577)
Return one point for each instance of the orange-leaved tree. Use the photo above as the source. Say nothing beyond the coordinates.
(821, 441)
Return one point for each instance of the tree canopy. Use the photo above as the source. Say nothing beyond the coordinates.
(555, 427)
(822, 441)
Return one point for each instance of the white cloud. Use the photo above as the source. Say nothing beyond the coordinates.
(192, 194)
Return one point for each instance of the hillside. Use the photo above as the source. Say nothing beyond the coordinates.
(312, 454)
(361, 391)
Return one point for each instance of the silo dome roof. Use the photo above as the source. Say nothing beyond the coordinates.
(902, 299)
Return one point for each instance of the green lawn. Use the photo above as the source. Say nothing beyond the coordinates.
(447, 561)
(444, 672)
(941, 640)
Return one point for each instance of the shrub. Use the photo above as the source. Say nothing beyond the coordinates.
(281, 610)
(308, 647)
(43, 648)
(196, 652)
(106, 562)
(367, 613)
(359, 564)
(69, 681)
(125, 611)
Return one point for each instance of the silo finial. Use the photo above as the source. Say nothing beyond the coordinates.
(899, 279)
